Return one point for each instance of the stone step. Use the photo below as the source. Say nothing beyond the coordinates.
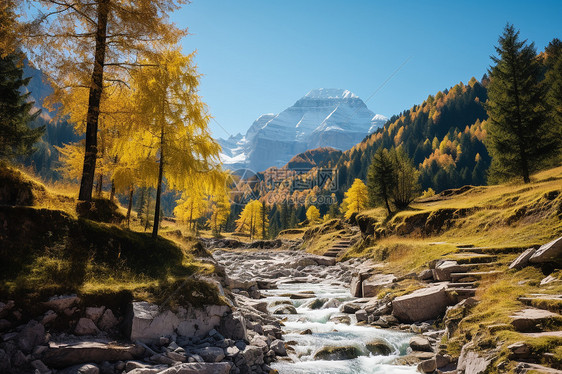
(465, 284)
(470, 258)
(331, 254)
(463, 291)
(493, 250)
(552, 303)
(455, 277)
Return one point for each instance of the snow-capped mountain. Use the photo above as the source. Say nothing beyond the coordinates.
(322, 118)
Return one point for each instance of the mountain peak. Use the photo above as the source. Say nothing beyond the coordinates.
(330, 93)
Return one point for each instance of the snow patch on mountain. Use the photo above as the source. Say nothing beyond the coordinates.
(324, 117)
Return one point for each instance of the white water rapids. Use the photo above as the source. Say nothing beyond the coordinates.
(326, 283)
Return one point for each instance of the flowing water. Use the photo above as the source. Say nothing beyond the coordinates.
(325, 283)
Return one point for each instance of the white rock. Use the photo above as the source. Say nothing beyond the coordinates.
(550, 252)
(421, 305)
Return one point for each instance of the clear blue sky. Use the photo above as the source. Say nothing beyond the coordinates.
(260, 56)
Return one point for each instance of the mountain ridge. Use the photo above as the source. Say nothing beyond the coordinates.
(323, 117)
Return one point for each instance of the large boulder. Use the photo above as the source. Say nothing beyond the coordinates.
(199, 368)
(421, 305)
(233, 326)
(523, 259)
(379, 347)
(64, 355)
(337, 353)
(531, 319)
(443, 270)
(372, 286)
(147, 323)
(471, 362)
(550, 252)
(420, 343)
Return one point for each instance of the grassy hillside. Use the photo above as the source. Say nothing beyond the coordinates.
(47, 249)
(471, 225)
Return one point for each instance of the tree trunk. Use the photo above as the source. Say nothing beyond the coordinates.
(159, 187)
(112, 194)
(89, 168)
(146, 223)
(99, 186)
(130, 207)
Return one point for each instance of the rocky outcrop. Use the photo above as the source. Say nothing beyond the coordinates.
(421, 305)
(148, 323)
(470, 362)
(523, 259)
(375, 283)
(60, 355)
(548, 253)
(531, 319)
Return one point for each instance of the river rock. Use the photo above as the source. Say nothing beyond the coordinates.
(523, 259)
(49, 317)
(427, 366)
(419, 343)
(253, 355)
(550, 252)
(107, 321)
(285, 309)
(211, 354)
(371, 286)
(60, 303)
(278, 346)
(86, 326)
(421, 305)
(340, 318)
(337, 353)
(40, 367)
(94, 313)
(332, 303)
(33, 334)
(81, 369)
(379, 347)
(531, 319)
(62, 355)
(361, 315)
(233, 326)
(199, 368)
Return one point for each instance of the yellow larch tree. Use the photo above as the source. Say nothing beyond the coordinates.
(87, 44)
(170, 126)
(252, 219)
(312, 215)
(220, 210)
(356, 198)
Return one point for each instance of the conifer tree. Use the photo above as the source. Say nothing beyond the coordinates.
(16, 137)
(251, 219)
(519, 136)
(380, 179)
(554, 82)
(406, 186)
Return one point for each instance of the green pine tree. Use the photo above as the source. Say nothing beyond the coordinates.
(380, 179)
(16, 137)
(554, 82)
(519, 136)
